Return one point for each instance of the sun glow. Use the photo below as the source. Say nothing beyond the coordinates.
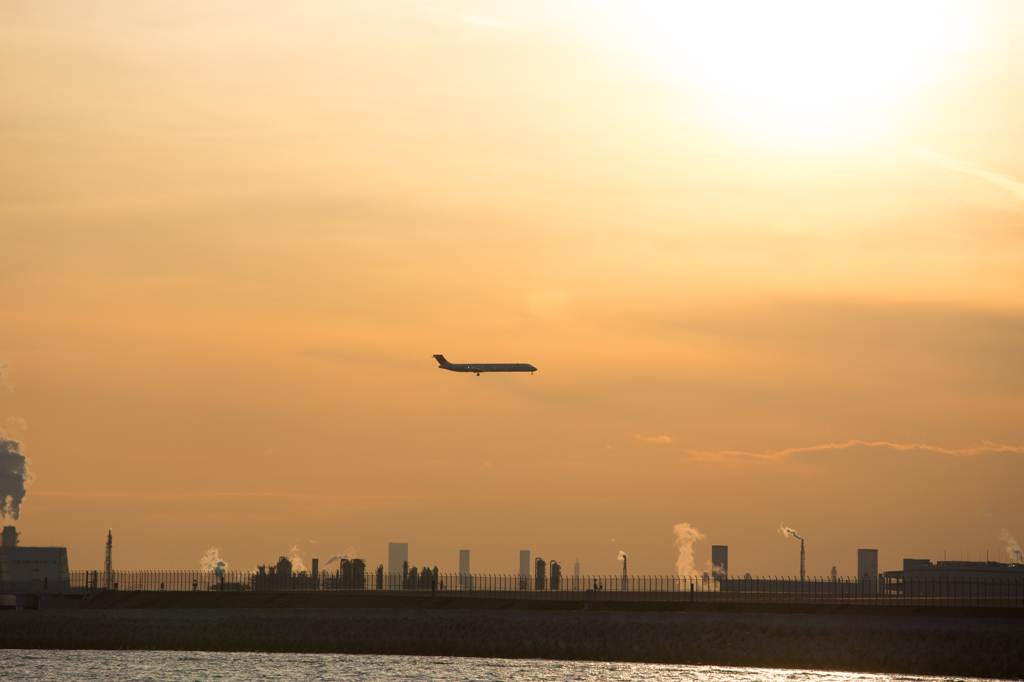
(806, 69)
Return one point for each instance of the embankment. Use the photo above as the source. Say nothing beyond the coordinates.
(933, 645)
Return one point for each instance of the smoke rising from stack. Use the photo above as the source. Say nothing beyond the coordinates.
(14, 477)
(1012, 548)
(686, 535)
(622, 555)
(788, 532)
(350, 553)
(211, 561)
(297, 564)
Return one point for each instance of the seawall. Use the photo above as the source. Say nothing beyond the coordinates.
(975, 647)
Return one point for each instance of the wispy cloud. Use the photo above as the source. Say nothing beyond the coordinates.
(985, 447)
(483, 21)
(372, 500)
(1004, 181)
(654, 439)
(467, 18)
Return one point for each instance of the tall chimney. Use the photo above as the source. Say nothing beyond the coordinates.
(802, 561)
(108, 562)
(10, 537)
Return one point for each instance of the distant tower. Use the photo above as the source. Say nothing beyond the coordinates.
(108, 562)
(719, 562)
(398, 559)
(524, 569)
(465, 581)
(867, 568)
(10, 537)
(576, 574)
(802, 573)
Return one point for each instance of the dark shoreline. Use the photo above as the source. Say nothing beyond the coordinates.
(964, 645)
(342, 600)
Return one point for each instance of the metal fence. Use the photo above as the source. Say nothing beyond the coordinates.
(937, 591)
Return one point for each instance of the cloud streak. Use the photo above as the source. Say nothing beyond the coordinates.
(654, 439)
(483, 21)
(226, 497)
(985, 447)
(1005, 181)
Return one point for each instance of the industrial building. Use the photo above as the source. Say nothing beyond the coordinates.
(866, 583)
(541, 574)
(719, 562)
(524, 569)
(921, 577)
(465, 577)
(398, 564)
(5, 569)
(33, 568)
(867, 569)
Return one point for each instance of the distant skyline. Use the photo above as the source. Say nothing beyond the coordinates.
(768, 264)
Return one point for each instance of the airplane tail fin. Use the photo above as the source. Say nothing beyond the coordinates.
(441, 361)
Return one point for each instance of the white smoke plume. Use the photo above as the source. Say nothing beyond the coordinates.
(686, 535)
(1012, 548)
(14, 477)
(350, 553)
(297, 565)
(622, 555)
(211, 561)
(788, 532)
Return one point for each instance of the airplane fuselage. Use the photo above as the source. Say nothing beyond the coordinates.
(480, 367)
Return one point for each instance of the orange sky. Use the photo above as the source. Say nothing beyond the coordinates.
(233, 234)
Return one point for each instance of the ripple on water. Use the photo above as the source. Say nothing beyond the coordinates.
(200, 666)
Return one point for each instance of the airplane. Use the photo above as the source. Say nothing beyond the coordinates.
(477, 367)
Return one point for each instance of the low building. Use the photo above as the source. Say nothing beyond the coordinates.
(33, 568)
(921, 577)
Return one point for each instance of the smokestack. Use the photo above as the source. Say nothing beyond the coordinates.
(10, 537)
(108, 562)
(790, 533)
(316, 569)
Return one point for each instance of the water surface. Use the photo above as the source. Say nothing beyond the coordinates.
(200, 666)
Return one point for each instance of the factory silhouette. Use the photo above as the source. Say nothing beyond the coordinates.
(40, 577)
